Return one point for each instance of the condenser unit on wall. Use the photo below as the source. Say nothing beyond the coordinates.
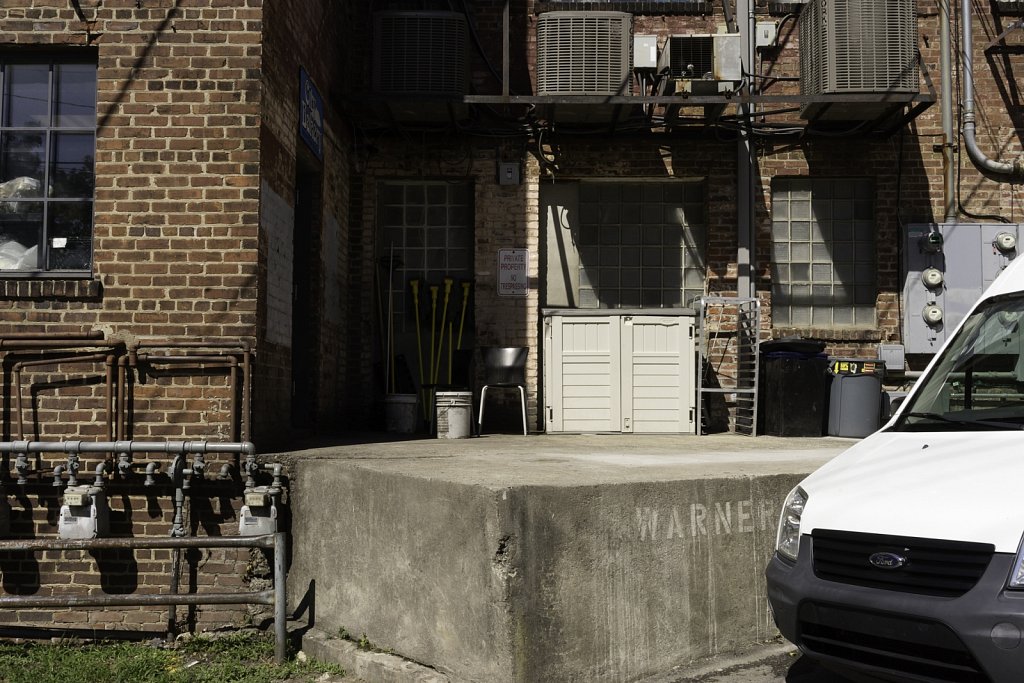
(702, 63)
(1015, 7)
(584, 53)
(420, 53)
(857, 47)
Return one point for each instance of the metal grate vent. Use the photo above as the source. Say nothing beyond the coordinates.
(420, 53)
(864, 46)
(584, 53)
(702, 56)
(691, 56)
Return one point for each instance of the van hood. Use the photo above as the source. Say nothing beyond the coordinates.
(961, 486)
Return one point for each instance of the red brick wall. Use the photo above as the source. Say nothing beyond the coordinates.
(185, 104)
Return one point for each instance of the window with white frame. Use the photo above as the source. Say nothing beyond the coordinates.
(47, 164)
(823, 252)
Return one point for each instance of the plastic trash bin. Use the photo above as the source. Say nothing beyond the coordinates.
(793, 387)
(855, 399)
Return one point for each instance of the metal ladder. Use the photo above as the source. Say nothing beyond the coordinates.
(729, 364)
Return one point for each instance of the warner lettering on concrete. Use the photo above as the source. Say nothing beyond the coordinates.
(544, 558)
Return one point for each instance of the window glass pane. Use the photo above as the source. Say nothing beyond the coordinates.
(437, 216)
(71, 165)
(842, 315)
(75, 85)
(21, 227)
(26, 95)
(865, 315)
(21, 160)
(69, 235)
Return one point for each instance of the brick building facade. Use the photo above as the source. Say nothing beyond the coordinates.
(219, 276)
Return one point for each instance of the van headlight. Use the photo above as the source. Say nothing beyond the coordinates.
(787, 542)
(1016, 581)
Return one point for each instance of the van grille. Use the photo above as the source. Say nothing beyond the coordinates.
(892, 643)
(933, 567)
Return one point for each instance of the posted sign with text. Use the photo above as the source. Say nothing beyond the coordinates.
(513, 272)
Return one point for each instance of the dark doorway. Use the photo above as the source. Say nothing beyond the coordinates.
(305, 290)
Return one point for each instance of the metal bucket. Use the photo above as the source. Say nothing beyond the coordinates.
(454, 411)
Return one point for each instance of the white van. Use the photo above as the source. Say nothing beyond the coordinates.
(902, 558)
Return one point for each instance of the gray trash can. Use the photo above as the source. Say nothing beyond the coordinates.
(855, 399)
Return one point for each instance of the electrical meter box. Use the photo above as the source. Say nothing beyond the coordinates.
(84, 514)
(948, 266)
(259, 513)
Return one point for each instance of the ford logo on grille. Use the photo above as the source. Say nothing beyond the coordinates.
(887, 560)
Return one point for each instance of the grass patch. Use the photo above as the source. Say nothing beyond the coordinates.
(234, 658)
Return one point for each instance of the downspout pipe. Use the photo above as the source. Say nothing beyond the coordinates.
(946, 97)
(1012, 172)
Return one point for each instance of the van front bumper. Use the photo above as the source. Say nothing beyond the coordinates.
(897, 636)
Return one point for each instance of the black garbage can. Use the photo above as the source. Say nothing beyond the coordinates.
(794, 385)
(855, 399)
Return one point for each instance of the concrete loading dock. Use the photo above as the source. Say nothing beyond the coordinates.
(544, 558)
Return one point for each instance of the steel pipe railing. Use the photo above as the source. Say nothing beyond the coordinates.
(276, 597)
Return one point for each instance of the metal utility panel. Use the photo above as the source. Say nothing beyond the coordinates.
(947, 267)
(619, 373)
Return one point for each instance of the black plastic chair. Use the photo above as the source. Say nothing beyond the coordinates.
(504, 367)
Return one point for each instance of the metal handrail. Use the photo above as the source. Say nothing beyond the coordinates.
(276, 597)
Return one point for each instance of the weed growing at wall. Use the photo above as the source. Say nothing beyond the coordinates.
(243, 658)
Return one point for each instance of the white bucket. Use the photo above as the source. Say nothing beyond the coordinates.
(400, 413)
(454, 414)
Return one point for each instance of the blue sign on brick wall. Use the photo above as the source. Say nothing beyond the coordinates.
(311, 114)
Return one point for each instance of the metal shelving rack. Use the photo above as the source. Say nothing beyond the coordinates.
(729, 362)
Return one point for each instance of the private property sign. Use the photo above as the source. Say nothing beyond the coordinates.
(513, 272)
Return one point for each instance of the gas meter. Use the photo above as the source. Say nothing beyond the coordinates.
(259, 512)
(84, 514)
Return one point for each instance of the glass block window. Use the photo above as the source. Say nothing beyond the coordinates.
(425, 234)
(47, 155)
(641, 244)
(823, 252)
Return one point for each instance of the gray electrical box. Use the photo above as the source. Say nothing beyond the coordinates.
(259, 513)
(645, 52)
(84, 514)
(948, 266)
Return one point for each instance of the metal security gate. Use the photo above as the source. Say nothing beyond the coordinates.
(729, 364)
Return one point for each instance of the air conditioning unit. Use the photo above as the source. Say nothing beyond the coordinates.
(420, 53)
(584, 53)
(1010, 7)
(702, 63)
(857, 46)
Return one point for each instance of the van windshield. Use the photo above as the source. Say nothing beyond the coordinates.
(978, 381)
